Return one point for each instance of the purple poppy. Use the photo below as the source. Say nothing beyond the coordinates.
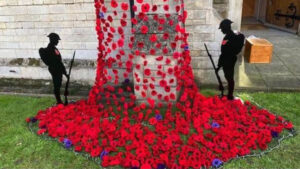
(67, 143)
(216, 163)
(33, 119)
(103, 153)
(274, 134)
(158, 117)
(161, 166)
(215, 125)
(101, 14)
(186, 47)
(127, 81)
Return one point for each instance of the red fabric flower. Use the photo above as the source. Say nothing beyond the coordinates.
(160, 58)
(154, 8)
(144, 29)
(145, 7)
(152, 51)
(140, 44)
(124, 6)
(153, 38)
(147, 72)
(165, 36)
(166, 7)
(134, 21)
(114, 3)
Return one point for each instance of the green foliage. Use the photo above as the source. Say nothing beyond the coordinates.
(19, 148)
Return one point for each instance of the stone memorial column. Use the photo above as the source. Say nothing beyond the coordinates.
(154, 47)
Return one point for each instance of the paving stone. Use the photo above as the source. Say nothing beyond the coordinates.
(294, 68)
(253, 81)
(273, 69)
(283, 72)
(282, 82)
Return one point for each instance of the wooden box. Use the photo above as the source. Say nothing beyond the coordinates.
(258, 50)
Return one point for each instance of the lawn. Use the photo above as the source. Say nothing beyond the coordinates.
(19, 148)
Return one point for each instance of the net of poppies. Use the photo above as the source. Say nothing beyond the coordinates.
(193, 132)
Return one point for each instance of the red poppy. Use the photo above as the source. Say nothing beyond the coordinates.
(144, 29)
(161, 21)
(123, 22)
(114, 3)
(134, 21)
(153, 38)
(167, 89)
(165, 50)
(121, 43)
(154, 8)
(160, 58)
(177, 8)
(166, 7)
(124, 6)
(162, 83)
(145, 7)
(158, 45)
(140, 44)
(147, 72)
(165, 36)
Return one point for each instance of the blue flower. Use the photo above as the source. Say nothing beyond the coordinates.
(216, 163)
(161, 166)
(101, 14)
(158, 117)
(186, 47)
(103, 153)
(274, 134)
(67, 143)
(215, 125)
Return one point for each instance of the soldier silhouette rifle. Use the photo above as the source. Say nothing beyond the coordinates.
(52, 58)
(232, 45)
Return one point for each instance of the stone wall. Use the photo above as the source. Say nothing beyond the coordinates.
(24, 26)
(202, 24)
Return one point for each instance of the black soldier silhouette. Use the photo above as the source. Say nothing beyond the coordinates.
(52, 58)
(232, 45)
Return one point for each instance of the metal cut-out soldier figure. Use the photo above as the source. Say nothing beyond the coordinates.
(232, 45)
(52, 58)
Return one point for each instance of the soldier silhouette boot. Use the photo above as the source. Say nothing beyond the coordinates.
(230, 90)
(58, 99)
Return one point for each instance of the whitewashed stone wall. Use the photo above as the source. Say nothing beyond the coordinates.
(202, 24)
(24, 26)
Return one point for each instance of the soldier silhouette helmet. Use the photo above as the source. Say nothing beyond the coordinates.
(226, 23)
(54, 36)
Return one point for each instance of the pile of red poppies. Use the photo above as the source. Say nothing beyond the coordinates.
(208, 133)
(193, 132)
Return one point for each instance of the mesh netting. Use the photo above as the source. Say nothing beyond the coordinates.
(145, 45)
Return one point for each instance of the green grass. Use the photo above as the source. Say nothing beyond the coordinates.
(19, 148)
